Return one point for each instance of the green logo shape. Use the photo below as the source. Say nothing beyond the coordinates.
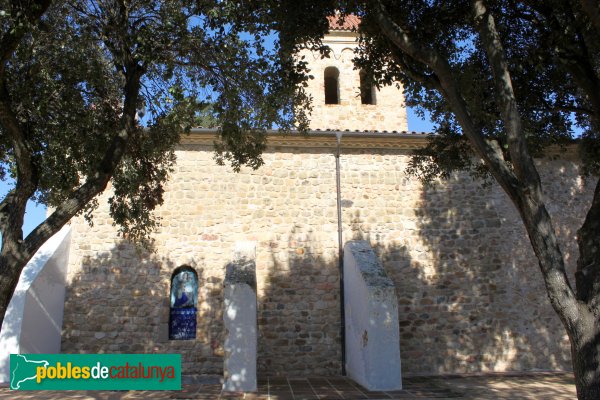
(95, 372)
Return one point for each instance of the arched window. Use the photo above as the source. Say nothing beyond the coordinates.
(367, 89)
(332, 88)
(183, 302)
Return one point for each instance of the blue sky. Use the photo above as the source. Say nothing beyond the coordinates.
(34, 214)
(417, 124)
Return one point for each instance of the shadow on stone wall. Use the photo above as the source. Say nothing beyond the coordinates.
(123, 297)
(119, 303)
(471, 296)
(299, 306)
(470, 293)
(298, 310)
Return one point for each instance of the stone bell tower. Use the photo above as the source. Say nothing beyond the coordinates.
(343, 97)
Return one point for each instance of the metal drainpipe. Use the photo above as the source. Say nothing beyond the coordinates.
(338, 137)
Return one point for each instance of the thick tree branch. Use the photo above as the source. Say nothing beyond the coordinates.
(401, 38)
(579, 314)
(492, 155)
(10, 216)
(133, 71)
(530, 199)
(96, 184)
(13, 205)
(22, 153)
(588, 264)
(523, 163)
(528, 202)
(429, 81)
(12, 210)
(10, 41)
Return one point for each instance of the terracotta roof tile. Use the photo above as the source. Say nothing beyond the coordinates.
(350, 22)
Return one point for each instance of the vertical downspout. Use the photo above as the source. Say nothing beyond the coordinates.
(338, 137)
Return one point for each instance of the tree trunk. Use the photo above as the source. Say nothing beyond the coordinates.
(585, 354)
(10, 271)
(585, 341)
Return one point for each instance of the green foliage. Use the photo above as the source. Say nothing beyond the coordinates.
(552, 47)
(445, 154)
(547, 92)
(209, 63)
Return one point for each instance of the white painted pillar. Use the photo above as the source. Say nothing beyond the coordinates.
(239, 366)
(372, 330)
(33, 320)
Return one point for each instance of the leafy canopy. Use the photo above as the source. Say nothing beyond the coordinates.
(542, 42)
(202, 63)
(551, 47)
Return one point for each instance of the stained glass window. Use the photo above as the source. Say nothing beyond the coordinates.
(183, 302)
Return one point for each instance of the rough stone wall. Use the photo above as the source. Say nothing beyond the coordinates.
(389, 112)
(471, 296)
(469, 289)
(118, 301)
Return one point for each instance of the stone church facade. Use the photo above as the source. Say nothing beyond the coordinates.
(470, 294)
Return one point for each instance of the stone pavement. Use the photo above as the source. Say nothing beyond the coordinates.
(550, 386)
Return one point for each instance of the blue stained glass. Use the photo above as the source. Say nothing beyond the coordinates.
(182, 323)
(184, 299)
(184, 290)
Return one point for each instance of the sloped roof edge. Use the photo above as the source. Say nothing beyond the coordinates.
(347, 23)
(323, 139)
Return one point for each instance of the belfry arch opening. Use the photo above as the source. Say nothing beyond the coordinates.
(332, 87)
(367, 89)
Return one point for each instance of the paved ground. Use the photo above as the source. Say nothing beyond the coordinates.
(551, 386)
